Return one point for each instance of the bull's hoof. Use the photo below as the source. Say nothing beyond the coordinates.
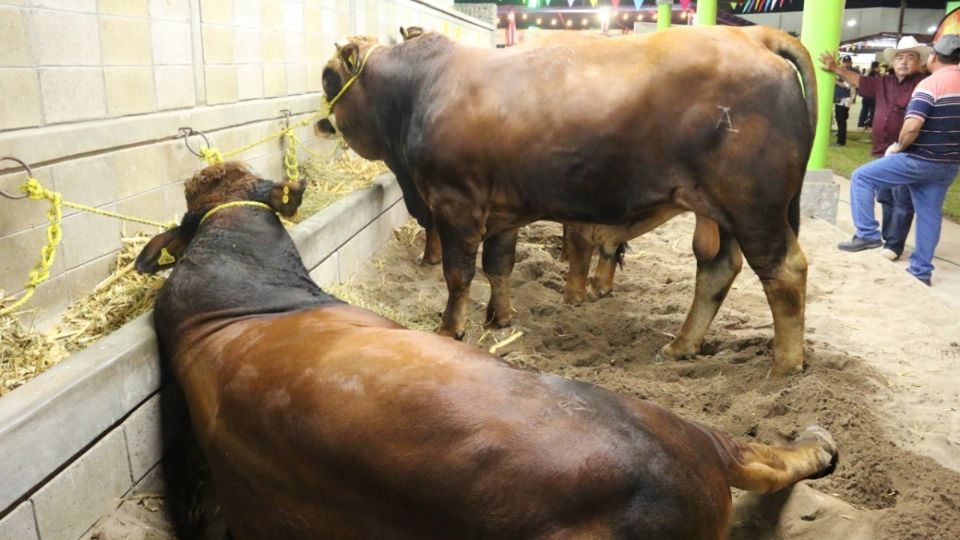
(574, 298)
(786, 370)
(667, 354)
(494, 321)
(598, 290)
(429, 261)
(823, 438)
(451, 334)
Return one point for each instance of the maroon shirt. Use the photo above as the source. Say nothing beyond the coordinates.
(892, 97)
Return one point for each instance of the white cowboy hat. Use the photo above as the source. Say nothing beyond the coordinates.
(907, 44)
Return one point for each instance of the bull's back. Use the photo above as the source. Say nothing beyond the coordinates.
(618, 123)
(417, 432)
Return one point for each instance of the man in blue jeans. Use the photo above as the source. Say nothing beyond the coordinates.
(892, 94)
(925, 158)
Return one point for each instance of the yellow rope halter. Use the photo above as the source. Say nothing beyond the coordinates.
(326, 108)
(224, 206)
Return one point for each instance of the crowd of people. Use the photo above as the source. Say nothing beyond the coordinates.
(915, 134)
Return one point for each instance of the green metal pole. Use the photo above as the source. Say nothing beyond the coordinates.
(952, 6)
(706, 12)
(820, 32)
(664, 11)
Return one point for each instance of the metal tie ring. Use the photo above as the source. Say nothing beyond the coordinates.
(188, 132)
(29, 175)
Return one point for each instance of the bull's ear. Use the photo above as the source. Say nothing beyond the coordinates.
(286, 197)
(163, 251)
(350, 56)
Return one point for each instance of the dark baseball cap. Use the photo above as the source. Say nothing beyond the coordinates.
(846, 58)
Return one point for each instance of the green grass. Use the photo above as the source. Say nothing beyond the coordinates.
(844, 159)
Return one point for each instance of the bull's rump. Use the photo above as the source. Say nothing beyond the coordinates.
(595, 130)
(388, 423)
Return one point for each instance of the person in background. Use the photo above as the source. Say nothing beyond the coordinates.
(925, 158)
(891, 94)
(867, 102)
(841, 102)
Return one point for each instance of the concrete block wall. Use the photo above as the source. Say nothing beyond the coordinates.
(94, 91)
(78, 438)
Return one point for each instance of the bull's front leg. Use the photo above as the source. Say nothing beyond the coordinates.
(459, 245)
(579, 252)
(499, 256)
(610, 256)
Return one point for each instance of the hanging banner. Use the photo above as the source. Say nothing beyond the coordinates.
(636, 4)
(570, 2)
(616, 3)
(684, 4)
(949, 25)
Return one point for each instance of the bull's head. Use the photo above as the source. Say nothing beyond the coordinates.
(351, 109)
(216, 185)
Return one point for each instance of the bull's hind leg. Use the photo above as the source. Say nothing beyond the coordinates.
(714, 278)
(782, 269)
(431, 247)
(459, 245)
(764, 468)
(499, 255)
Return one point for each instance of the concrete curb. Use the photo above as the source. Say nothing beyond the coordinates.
(81, 435)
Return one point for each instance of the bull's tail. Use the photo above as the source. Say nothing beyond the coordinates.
(763, 468)
(791, 49)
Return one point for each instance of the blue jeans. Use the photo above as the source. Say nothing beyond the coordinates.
(927, 181)
(897, 208)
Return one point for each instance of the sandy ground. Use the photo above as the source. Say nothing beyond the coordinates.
(883, 374)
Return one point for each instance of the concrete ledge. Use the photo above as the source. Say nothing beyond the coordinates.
(76, 438)
(820, 195)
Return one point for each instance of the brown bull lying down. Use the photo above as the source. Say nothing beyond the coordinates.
(625, 132)
(323, 420)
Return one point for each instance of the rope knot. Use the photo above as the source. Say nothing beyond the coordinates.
(211, 155)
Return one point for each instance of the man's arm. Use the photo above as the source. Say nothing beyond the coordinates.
(908, 133)
(829, 63)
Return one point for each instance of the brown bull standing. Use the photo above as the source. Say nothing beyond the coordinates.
(322, 420)
(626, 132)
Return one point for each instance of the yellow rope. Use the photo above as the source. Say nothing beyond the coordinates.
(213, 156)
(107, 213)
(41, 271)
(224, 206)
(290, 162)
(327, 106)
(341, 145)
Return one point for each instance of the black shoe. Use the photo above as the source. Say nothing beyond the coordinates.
(859, 244)
(925, 281)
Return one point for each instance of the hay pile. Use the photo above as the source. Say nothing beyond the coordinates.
(331, 179)
(25, 352)
(123, 296)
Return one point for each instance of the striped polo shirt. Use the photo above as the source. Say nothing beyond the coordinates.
(936, 101)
